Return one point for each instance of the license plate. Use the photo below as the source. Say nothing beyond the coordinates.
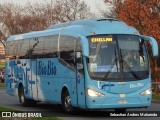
(122, 95)
(122, 101)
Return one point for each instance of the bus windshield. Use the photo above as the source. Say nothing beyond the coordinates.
(117, 57)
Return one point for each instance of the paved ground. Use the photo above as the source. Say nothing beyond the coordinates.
(55, 110)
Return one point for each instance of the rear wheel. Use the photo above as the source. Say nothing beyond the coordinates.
(23, 100)
(66, 102)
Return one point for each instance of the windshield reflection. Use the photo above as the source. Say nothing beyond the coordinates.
(123, 57)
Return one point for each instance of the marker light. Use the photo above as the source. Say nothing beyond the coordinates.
(146, 92)
(93, 93)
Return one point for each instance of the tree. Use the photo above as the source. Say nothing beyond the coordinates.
(39, 16)
(110, 13)
(68, 10)
(144, 15)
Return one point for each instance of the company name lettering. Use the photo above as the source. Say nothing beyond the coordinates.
(136, 85)
(46, 68)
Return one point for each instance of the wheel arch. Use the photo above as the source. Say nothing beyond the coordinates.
(64, 89)
(20, 86)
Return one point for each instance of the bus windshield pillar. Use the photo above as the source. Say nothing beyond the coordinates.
(85, 46)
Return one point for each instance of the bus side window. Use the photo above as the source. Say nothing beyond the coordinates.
(36, 47)
(50, 46)
(23, 49)
(12, 49)
(67, 49)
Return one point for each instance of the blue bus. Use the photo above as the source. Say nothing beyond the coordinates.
(86, 64)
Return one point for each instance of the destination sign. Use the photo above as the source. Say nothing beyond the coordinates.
(101, 39)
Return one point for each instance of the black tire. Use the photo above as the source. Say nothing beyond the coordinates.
(120, 110)
(66, 102)
(23, 100)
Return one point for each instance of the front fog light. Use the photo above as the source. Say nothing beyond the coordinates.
(93, 93)
(146, 92)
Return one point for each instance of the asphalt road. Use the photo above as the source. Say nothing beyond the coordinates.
(56, 110)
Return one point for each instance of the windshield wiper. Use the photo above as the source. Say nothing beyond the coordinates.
(112, 66)
(126, 65)
(110, 69)
(130, 69)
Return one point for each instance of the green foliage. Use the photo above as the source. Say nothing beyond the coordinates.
(2, 65)
(7, 109)
(156, 96)
(2, 85)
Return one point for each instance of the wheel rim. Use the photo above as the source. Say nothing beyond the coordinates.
(22, 98)
(67, 102)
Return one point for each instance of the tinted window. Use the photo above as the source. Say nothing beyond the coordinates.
(36, 47)
(23, 48)
(67, 46)
(50, 46)
(12, 49)
(78, 46)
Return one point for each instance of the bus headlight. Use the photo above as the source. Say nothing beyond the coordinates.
(146, 92)
(93, 93)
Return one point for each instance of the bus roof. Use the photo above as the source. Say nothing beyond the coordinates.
(82, 28)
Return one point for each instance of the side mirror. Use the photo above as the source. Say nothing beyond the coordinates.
(153, 43)
(85, 46)
(78, 57)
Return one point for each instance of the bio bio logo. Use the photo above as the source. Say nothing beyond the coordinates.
(136, 85)
(46, 68)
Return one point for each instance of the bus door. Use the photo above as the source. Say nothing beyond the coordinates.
(37, 90)
(34, 78)
(80, 82)
(36, 46)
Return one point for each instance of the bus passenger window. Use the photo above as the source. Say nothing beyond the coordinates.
(50, 46)
(36, 47)
(23, 49)
(67, 49)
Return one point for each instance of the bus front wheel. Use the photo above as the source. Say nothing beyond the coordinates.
(66, 102)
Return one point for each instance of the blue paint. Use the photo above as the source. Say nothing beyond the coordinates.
(11, 63)
(9, 80)
(31, 82)
(78, 78)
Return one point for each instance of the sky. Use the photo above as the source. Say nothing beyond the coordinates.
(95, 5)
